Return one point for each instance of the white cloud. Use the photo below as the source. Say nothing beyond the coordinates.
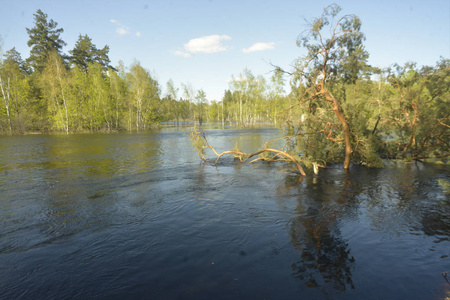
(181, 53)
(122, 29)
(207, 44)
(259, 47)
(138, 33)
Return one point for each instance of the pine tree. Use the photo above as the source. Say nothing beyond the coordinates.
(44, 39)
(86, 52)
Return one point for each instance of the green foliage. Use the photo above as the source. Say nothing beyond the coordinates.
(417, 118)
(251, 99)
(100, 102)
(44, 39)
(85, 53)
(237, 155)
(201, 103)
(119, 91)
(53, 82)
(144, 92)
(198, 142)
(15, 90)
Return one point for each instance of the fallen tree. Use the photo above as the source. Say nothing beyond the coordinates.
(200, 143)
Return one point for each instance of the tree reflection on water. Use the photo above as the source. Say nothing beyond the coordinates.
(397, 202)
(323, 253)
(325, 259)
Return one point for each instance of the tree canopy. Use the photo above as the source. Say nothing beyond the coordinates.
(86, 52)
(44, 38)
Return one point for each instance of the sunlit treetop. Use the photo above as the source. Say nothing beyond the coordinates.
(86, 52)
(44, 38)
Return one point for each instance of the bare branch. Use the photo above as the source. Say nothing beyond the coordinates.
(200, 137)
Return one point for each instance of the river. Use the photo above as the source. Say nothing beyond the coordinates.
(139, 216)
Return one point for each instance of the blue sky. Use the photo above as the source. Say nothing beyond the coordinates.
(205, 42)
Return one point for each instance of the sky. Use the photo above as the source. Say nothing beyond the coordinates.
(205, 42)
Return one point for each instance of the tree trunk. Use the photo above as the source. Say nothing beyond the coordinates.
(345, 127)
(117, 113)
(7, 99)
(240, 109)
(223, 121)
(63, 97)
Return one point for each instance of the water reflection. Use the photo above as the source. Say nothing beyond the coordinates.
(248, 140)
(103, 155)
(398, 203)
(407, 200)
(75, 200)
(83, 155)
(54, 186)
(325, 258)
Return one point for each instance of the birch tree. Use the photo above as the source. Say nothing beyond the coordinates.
(54, 82)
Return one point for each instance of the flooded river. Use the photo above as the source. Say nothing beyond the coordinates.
(139, 216)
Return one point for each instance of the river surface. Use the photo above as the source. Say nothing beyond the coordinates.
(139, 216)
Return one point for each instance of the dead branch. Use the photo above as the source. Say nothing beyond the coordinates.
(201, 143)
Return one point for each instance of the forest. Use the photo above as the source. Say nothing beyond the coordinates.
(338, 108)
(51, 91)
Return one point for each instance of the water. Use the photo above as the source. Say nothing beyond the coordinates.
(139, 216)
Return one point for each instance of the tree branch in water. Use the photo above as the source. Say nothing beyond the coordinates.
(200, 143)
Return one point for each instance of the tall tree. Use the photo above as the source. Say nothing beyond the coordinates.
(101, 103)
(172, 95)
(330, 42)
(54, 84)
(13, 57)
(119, 90)
(5, 87)
(86, 52)
(80, 95)
(44, 39)
(14, 87)
(250, 94)
(189, 95)
(145, 92)
(276, 95)
(201, 103)
(227, 105)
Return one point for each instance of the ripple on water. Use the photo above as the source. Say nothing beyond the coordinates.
(118, 219)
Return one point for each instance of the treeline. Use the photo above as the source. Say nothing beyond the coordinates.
(81, 92)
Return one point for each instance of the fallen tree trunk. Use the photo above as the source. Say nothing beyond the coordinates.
(201, 143)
